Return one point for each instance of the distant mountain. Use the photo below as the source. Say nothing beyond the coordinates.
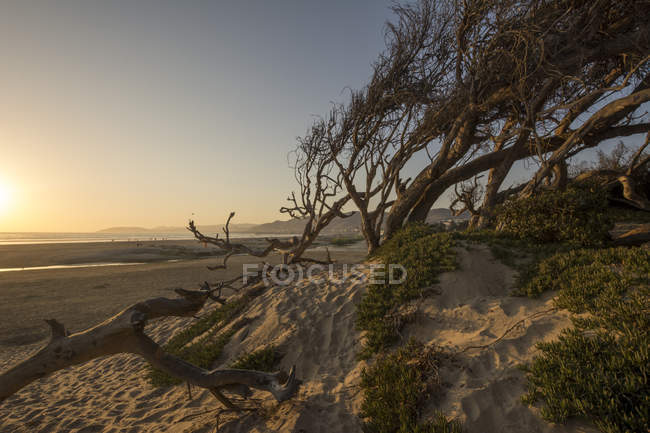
(292, 226)
(444, 214)
(119, 230)
(218, 228)
(349, 225)
(207, 229)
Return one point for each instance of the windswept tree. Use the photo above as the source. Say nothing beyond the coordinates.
(475, 86)
(535, 78)
(367, 141)
(317, 202)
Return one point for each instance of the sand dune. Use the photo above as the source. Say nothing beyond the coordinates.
(312, 322)
(483, 386)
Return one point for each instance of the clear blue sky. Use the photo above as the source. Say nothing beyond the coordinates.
(139, 112)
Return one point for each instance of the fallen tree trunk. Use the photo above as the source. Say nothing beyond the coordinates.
(630, 194)
(124, 333)
(622, 187)
(635, 237)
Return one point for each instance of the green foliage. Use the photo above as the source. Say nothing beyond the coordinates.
(599, 369)
(403, 238)
(344, 241)
(577, 215)
(262, 360)
(439, 424)
(395, 388)
(516, 253)
(201, 343)
(424, 256)
(397, 384)
(582, 275)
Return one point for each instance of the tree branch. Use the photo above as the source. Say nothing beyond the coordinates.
(123, 333)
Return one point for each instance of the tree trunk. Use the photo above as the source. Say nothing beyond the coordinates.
(495, 180)
(635, 237)
(123, 333)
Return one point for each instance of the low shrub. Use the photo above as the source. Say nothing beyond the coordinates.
(625, 215)
(201, 343)
(599, 368)
(519, 254)
(396, 387)
(577, 215)
(262, 360)
(403, 237)
(582, 275)
(424, 256)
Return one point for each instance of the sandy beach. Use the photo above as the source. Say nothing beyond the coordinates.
(80, 297)
(313, 324)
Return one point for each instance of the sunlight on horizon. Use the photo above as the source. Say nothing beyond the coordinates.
(144, 113)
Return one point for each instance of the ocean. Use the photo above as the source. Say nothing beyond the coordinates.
(60, 238)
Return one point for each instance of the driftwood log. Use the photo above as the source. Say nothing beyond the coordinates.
(124, 333)
(634, 237)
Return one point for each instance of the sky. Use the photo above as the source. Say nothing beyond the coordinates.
(148, 113)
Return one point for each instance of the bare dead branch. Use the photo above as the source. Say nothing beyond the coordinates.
(282, 246)
(124, 333)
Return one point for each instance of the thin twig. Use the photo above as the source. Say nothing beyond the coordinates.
(532, 316)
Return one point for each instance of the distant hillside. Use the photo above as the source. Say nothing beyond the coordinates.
(349, 225)
(208, 229)
(120, 230)
(444, 214)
